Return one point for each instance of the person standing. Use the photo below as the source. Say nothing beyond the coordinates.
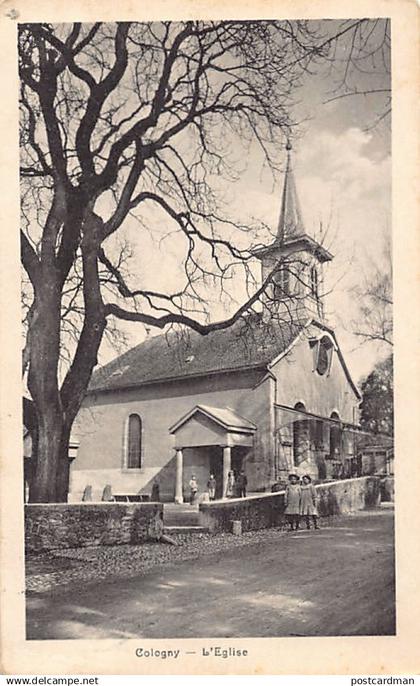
(235, 493)
(292, 502)
(308, 502)
(193, 489)
(242, 482)
(230, 486)
(211, 485)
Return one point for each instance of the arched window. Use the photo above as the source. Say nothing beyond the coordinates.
(134, 431)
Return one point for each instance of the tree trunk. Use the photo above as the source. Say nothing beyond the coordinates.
(63, 470)
(77, 379)
(43, 386)
(57, 408)
(44, 486)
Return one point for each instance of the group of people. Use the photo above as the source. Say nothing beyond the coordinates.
(235, 487)
(300, 502)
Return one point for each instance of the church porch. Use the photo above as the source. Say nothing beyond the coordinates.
(210, 440)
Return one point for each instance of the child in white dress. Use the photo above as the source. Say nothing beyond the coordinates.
(292, 502)
(308, 502)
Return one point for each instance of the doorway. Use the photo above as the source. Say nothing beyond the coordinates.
(216, 468)
(238, 456)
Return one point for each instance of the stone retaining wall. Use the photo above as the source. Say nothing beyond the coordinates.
(64, 525)
(387, 489)
(264, 511)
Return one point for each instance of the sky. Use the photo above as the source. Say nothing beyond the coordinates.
(342, 166)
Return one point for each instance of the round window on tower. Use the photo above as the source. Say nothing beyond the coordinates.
(325, 348)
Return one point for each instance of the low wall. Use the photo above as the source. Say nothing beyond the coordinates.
(64, 525)
(349, 495)
(387, 489)
(264, 511)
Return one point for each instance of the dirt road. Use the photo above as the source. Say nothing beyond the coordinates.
(338, 581)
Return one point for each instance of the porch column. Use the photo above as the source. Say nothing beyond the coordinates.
(226, 468)
(179, 477)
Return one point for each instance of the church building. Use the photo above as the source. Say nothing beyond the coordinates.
(269, 395)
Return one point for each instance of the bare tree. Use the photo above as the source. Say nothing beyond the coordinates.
(117, 118)
(360, 67)
(374, 322)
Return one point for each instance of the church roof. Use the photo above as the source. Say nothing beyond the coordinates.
(249, 343)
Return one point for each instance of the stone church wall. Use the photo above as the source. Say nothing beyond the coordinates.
(298, 383)
(100, 430)
(322, 395)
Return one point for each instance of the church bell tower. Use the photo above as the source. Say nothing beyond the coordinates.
(294, 259)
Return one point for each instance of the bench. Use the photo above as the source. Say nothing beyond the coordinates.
(144, 498)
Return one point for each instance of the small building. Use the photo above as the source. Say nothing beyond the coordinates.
(376, 454)
(270, 394)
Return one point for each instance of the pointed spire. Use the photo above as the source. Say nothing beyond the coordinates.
(290, 222)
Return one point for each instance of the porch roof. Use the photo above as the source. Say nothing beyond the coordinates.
(225, 417)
